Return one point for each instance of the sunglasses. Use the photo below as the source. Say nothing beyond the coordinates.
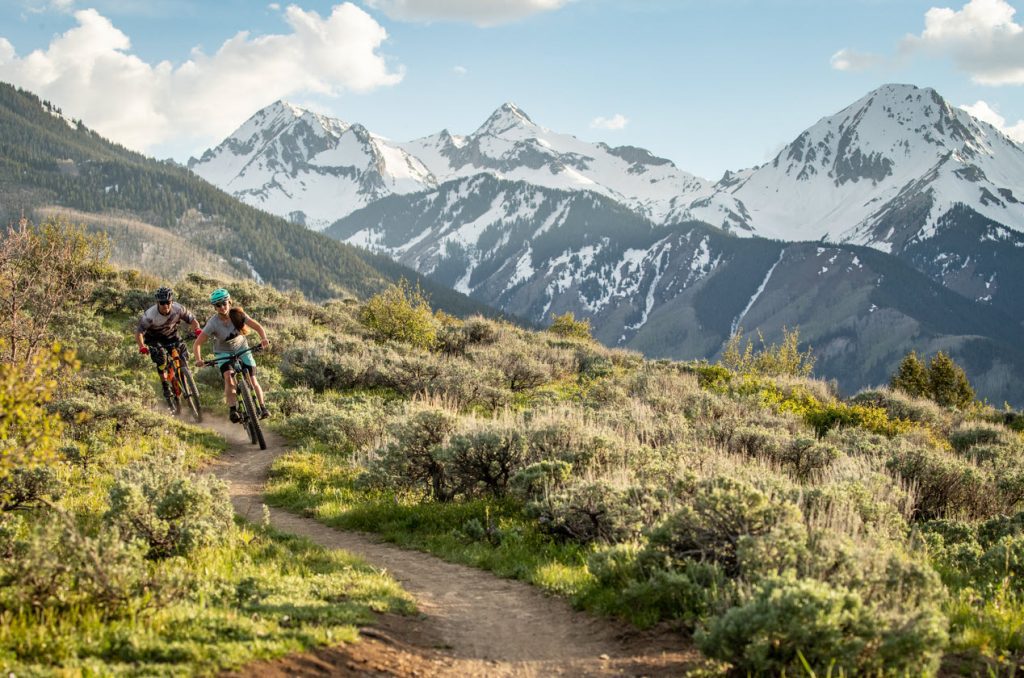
(163, 303)
(219, 304)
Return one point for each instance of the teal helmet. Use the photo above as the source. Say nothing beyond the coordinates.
(218, 295)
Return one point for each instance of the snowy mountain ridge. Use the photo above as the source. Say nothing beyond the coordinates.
(851, 177)
(315, 169)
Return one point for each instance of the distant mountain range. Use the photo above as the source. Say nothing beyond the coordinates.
(914, 207)
(316, 170)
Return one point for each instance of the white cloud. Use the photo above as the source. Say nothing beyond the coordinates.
(479, 12)
(42, 6)
(90, 72)
(274, 7)
(982, 111)
(850, 60)
(617, 121)
(981, 38)
(460, 71)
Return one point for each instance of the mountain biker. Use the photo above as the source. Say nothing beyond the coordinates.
(230, 338)
(157, 330)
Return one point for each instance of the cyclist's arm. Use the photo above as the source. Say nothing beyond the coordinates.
(249, 322)
(197, 345)
(138, 340)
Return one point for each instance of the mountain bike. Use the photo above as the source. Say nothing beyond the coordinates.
(178, 380)
(248, 415)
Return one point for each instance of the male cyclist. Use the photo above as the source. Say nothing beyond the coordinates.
(229, 334)
(157, 330)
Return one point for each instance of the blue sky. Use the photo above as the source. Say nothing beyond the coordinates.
(712, 85)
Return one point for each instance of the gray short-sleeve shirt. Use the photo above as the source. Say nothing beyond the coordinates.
(159, 328)
(227, 338)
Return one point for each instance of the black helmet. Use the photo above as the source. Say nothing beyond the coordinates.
(164, 295)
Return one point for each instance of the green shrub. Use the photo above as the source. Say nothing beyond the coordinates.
(28, 487)
(944, 486)
(58, 568)
(616, 566)
(807, 458)
(401, 314)
(719, 514)
(977, 433)
(594, 512)
(828, 416)
(520, 369)
(566, 325)
(320, 366)
(689, 594)
(899, 405)
(414, 458)
(358, 425)
(484, 460)
(480, 330)
(173, 512)
(830, 627)
(540, 479)
(777, 359)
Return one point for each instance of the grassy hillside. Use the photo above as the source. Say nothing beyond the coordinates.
(136, 244)
(47, 161)
(755, 512)
(776, 524)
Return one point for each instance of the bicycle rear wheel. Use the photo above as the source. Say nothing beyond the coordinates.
(191, 393)
(251, 416)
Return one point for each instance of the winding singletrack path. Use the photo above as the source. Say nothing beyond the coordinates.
(473, 623)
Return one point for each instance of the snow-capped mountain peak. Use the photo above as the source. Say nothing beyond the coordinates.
(506, 117)
(881, 172)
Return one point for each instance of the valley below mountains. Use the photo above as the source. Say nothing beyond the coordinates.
(894, 224)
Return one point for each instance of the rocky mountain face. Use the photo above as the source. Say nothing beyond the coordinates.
(914, 210)
(681, 290)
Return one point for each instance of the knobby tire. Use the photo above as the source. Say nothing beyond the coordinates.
(188, 387)
(253, 421)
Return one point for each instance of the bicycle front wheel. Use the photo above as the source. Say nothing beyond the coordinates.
(252, 420)
(191, 393)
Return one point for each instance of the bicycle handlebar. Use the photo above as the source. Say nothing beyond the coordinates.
(252, 349)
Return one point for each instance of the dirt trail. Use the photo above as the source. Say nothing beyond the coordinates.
(473, 622)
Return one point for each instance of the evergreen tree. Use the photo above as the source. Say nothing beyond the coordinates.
(911, 377)
(947, 382)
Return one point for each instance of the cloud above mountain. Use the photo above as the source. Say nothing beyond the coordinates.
(982, 111)
(852, 60)
(91, 70)
(617, 121)
(480, 12)
(982, 39)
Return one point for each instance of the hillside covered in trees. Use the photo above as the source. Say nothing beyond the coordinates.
(48, 160)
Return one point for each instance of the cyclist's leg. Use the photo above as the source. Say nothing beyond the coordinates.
(250, 374)
(229, 389)
(157, 355)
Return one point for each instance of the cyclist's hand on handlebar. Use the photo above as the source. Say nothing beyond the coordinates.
(197, 331)
(200, 362)
(144, 350)
(264, 344)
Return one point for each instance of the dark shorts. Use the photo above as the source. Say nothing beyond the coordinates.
(159, 353)
(248, 369)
